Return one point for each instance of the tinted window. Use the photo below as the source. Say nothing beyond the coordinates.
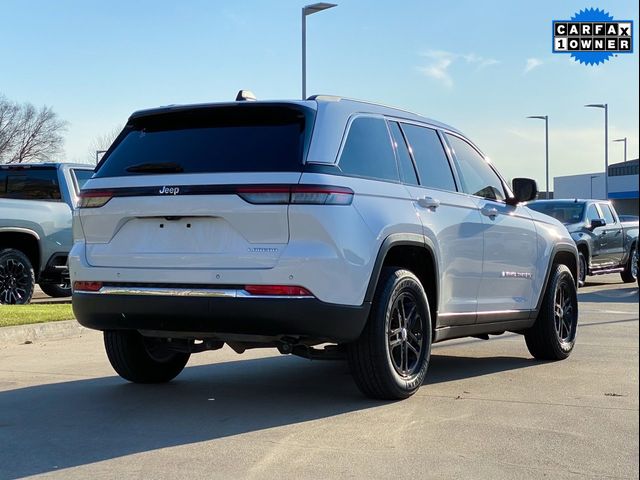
(220, 139)
(478, 178)
(81, 177)
(592, 213)
(368, 152)
(608, 215)
(31, 184)
(407, 170)
(431, 160)
(565, 212)
(3, 183)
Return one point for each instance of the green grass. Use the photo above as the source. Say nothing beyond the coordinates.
(37, 313)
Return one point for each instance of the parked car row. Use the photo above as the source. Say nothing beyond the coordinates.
(300, 223)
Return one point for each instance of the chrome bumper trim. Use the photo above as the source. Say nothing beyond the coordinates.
(185, 292)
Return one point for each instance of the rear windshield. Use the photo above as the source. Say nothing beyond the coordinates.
(565, 212)
(239, 138)
(30, 184)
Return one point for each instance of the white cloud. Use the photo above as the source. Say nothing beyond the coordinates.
(532, 63)
(441, 60)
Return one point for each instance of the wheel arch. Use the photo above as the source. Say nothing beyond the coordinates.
(564, 255)
(415, 253)
(25, 240)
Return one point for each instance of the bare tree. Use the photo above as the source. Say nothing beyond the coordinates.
(9, 113)
(100, 144)
(28, 133)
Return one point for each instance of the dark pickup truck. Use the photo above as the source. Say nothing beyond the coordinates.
(605, 243)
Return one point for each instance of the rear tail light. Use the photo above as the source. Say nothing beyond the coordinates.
(297, 194)
(83, 286)
(278, 290)
(265, 195)
(94, 198)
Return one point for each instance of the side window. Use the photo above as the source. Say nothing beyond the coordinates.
(3, 183)
(431, 160)
(407, 170)
(368, 152)
(606, 212)
(477, 176)
(592, 213)
(81, 176)
(36, 184)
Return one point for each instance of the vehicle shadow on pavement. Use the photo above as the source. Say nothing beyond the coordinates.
(50, 427)
(614, 295)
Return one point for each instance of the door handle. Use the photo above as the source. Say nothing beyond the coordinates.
(428, 202)
(490, 212)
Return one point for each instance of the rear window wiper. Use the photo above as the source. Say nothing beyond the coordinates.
(160, 167)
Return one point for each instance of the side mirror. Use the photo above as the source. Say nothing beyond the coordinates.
(598, 222)
(524, 189)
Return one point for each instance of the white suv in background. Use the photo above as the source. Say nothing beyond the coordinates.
(299, 223)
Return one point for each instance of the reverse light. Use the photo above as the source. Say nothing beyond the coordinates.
(278, 290)
(296, 194)
(84, 286)
(94, 198)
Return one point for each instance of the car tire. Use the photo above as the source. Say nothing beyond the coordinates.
(17, 278)
(630, 272)
(582, 269)
(55, 290)
(390, 359)
(142, 360)
(553, 335)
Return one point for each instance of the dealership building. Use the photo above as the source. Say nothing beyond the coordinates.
(623, 186)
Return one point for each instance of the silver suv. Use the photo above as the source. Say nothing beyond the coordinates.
(300, 223)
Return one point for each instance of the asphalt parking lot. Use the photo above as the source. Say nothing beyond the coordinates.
(488, 410)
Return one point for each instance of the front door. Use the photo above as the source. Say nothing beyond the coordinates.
(510, 247)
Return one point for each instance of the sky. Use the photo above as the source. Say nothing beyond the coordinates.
(479, 66)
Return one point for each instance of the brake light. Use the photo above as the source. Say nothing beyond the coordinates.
(94, 198)
(296, 194)
(275, 290)
(83, 286)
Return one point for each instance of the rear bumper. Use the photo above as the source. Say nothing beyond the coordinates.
(204, 317)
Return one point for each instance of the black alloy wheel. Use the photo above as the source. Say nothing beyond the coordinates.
(16, 278)
(405, 335)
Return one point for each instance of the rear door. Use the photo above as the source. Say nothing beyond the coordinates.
(197, 188)
(510, 246)
(450, 220)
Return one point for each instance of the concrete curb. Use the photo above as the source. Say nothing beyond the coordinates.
(37, 332)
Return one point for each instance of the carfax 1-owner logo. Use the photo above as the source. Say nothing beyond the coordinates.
(592, 36)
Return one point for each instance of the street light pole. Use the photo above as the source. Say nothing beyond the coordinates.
(605, 106)
(309, 10)
(546, 143)
(624, 140)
